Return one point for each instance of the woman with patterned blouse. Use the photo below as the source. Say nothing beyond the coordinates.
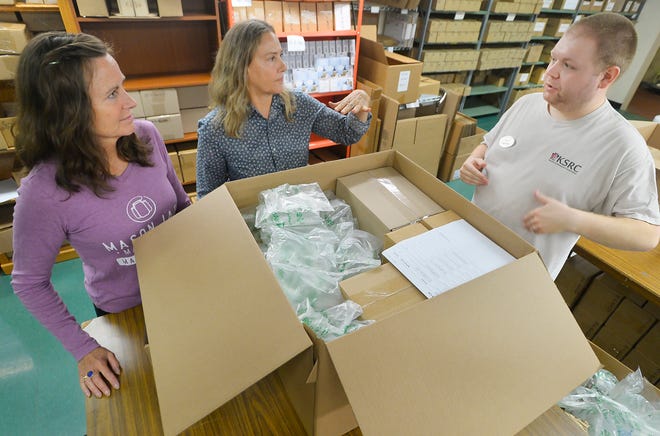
(257, 125)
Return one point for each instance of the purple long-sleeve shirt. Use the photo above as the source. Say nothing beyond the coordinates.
(100, 229)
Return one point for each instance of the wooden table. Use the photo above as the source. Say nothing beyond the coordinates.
(264, 408)
(639, 271)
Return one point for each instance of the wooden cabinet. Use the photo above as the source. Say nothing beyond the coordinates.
(157, 52)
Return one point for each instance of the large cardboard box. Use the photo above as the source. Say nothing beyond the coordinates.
(398, 75)
(481, 356)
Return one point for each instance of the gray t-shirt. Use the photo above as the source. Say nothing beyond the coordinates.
(598, 163)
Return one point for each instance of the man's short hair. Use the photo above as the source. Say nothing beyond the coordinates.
(615, 36)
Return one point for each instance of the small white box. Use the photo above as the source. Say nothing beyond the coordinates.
(342, 15)
(193, 96)
(169, 126)
(138, 111)
(190, 117)
(159, 101)
(170, 8)
(126, 8)
(141, 8)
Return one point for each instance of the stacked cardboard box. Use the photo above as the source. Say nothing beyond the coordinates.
(452, 31)
(508, 31)
(436, 61)
(557, 26)
(491, 58)
(456, 5)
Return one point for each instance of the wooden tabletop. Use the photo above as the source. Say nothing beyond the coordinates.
(639, 271)
(264, 408)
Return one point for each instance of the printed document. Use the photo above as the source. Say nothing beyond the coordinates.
(445, 257)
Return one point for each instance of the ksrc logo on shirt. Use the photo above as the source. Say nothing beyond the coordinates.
(141, 209)
(565, 163)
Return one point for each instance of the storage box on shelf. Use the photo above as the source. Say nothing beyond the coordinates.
(498, 41)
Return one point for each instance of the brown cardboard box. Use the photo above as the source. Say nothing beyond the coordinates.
(324, 17)
(174, 157)
(241, 328)
(381, 292)
(274, 15)
(170, 8)
(7, 134)
(574, 278)
(398, 235)
(188, 160)
(596, 305)
(398, 75)
(383, 200)
(428, 86)
(651, 133)
(307, 17)
(421, 139)
(92, 8)
(648, 345)
(13, 37)
(257, 11)
(623, 329)
(291, 14)
(6, 233)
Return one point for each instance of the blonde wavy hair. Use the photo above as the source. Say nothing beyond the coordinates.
(229, 85)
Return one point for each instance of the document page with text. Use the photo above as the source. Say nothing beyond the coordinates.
(446, 257)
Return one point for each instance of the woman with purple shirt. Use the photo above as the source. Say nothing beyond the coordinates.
(98, 179)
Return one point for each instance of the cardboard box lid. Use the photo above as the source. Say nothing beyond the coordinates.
(495, 350)
(230, 303)
(376, 51)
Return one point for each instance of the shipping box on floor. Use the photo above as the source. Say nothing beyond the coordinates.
(489, 354)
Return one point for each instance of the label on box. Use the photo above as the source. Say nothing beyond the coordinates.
(510, 17)
(459, 16)
(564, 27)
(374, 9)
(241, 3)
(570, 4)
(404, 81)
(539, 26)
(524, 77)
(295, 43)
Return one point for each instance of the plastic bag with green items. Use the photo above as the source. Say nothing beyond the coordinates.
(613, 407)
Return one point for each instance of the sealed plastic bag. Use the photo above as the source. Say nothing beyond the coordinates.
(614, 409)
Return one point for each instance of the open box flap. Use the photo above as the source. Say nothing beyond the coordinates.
(372, 49)
(489, 356)
(216, 318)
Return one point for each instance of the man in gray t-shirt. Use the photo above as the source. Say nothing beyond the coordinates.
(564, 163)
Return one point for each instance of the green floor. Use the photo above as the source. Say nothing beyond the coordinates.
(39, 393)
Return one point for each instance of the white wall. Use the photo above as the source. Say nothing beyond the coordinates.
(648, 42)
